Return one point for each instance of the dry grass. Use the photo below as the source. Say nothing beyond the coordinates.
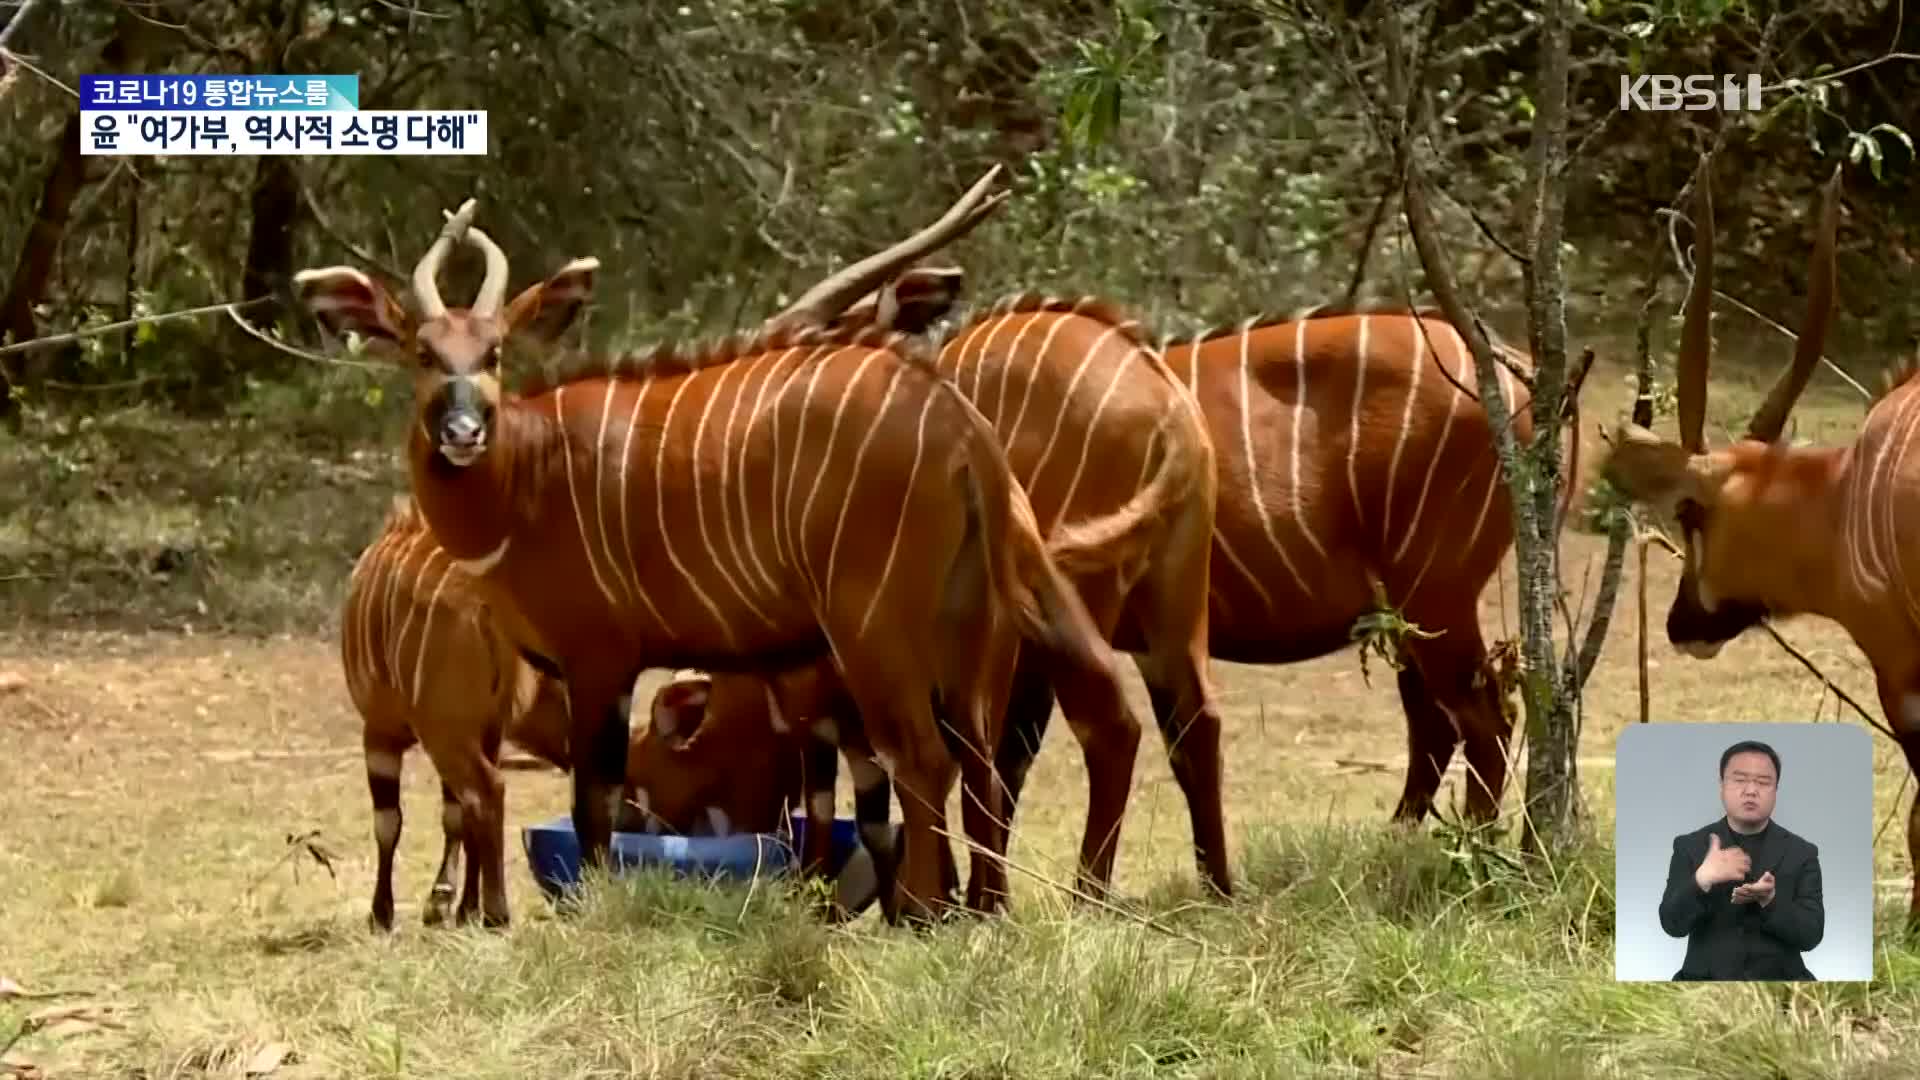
(169, 735)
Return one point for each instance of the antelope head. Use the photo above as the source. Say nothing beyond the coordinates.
(453, 353)
(1733, 503)
(910, 301)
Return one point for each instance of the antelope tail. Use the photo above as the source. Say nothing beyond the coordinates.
(1041, 600)
(1122, 537)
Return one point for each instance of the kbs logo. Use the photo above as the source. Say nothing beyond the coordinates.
(1695, 93)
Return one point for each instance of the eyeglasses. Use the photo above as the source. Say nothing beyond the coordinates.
(1740, 780)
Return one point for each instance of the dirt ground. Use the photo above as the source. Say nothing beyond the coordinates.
(172, 795)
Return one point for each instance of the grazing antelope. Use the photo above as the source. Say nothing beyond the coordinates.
(666, 510)
(1351, 449)
(704, 764)
(725, 748)
(427, 662)
(1106, 440)
(1775, 530)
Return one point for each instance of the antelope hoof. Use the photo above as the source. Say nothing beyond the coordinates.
(438, 903)
(380, 924)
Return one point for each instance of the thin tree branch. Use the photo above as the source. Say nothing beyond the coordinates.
(96, 331)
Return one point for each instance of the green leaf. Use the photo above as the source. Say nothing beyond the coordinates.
(373, 397)
(144, 333)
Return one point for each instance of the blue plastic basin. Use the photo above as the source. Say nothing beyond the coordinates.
(553, 853)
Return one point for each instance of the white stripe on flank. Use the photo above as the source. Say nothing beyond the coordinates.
(847, 497)
(778, 464)
(1439, 450)
(426, 633)
(660, 514)
(420, 562)
(1026, 396)
(1093, 428)
(624, 496)
(1400, 442)
(751, 542)
(1353, 438)
(893, 547)
(826, 463)
(1059, 417)
(1294, 496)
(1254, 487)
(1480, 522)
(390, 657)
(573, 494)
(999, 417)
(614, 570)
(699, 493)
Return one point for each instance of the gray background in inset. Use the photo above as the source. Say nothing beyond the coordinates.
(1666, 782)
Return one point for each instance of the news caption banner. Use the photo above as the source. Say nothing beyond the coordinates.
(256, 115)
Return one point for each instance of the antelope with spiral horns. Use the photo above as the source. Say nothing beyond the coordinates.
(1112, 451)
(761, 502)
(1772, 530)
(1352, 452)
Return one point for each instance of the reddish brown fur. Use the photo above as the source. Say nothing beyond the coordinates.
(751, 793)
(588, 514)
(1278, 598)
(1772, 530)
(1119, 468)
(1397, 482)
(425, 662)
(720, 746)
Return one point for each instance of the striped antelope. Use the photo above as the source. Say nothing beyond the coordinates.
(704, 765)
(1351, 449)
(595, 504)
(1097, 430)
(1829, 519)
(426, 662)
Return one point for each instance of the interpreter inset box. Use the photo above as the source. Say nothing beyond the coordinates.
(1743, 852)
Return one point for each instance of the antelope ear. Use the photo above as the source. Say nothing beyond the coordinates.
(909, 302)
(343, 299)
(923, 295)
(546, 310)
(679, 707)
(1655, 472)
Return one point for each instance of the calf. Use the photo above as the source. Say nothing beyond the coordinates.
(709, 761)
(425, 662)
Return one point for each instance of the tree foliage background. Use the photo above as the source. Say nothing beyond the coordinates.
(715, 152)
(1199, 161)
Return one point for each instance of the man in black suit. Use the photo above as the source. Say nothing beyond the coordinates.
(1744, 891)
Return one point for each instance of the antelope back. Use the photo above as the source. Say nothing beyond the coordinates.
(416, 636)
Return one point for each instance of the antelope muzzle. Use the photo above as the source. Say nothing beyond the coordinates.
(464, 417)
(1701, 631)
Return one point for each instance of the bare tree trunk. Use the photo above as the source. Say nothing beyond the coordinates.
(274, 209)
(1553, 802)
(1532, 472)
(28, 286)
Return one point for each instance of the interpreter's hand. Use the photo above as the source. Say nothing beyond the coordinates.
(1721, 864)
(1760, 892)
